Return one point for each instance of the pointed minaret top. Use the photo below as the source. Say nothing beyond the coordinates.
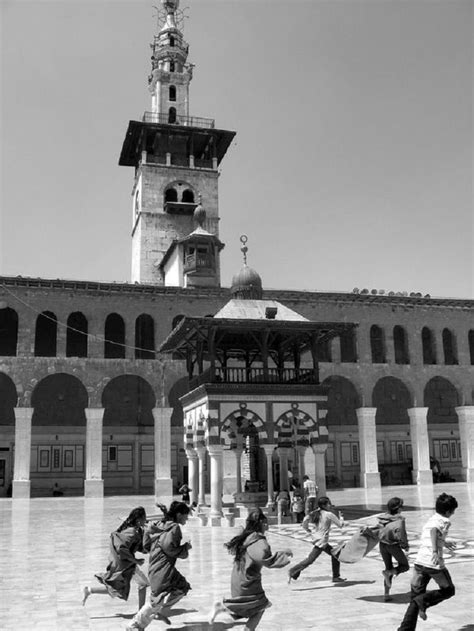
(170, 6)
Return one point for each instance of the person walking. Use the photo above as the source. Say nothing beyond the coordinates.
(251, 552)
(393, 542)
(123, 566)
(163, 539)
(322, 518)
(310, 492)
(297, 507)
(429, 564)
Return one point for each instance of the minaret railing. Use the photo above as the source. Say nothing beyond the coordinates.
(162, 118)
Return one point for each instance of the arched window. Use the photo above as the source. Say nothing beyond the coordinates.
(171, 41)
(348, 346)
(46, 335)
(377, 345)
(114, 337)
(76, 337)
(400, 345)
(172, 93)
(171, 195)
(144, 337)
(176, 320)
(427, 341)
(8, 332)
(449, 348)
(471, 346)
(171, 66)
(172, 115)
(188, 196)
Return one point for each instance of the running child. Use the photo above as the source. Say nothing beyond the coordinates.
(393, 542)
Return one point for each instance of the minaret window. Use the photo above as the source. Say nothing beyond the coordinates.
(171, 41)
(171, 195)
(172, 115)
(171, 66)
(172, 95)
(188, 196)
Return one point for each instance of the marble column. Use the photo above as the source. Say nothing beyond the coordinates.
(319, 450)
(269, 449)
(163, 481)
(216, 455)
(283, 453)
(201, 452)
(94, 484)
(301, 449)
(420, 446)
(238, 469)
(21, 469)
(193, 474)
(369, 466)
(466, 435)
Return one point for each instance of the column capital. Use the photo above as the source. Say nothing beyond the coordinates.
(268, 449)
(418, 413)
(364, 414)
(191, 453)
(319, 448)
(284, 451)
(201, 451)
(215, 450)
(466, 412)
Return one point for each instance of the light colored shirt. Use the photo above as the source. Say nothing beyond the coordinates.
(310, 488)
(425, 551)
(321, 530)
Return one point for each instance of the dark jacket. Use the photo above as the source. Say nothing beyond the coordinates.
(392, 530)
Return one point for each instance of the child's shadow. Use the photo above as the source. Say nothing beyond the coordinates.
(197, 625)
(396, 599)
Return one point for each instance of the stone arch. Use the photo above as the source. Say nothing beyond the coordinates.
(46, 332)
(8, 400)
(171, 194)
(128, 400)
(243, 418)
(8, 332)
(343, 401)
(392, 398)
(76, 336)
(441, 398)
(59, 399)
(144, 337)
(177, 390)
(296, 427)
(114, 334)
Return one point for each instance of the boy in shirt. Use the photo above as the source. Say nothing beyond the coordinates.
(429, 564)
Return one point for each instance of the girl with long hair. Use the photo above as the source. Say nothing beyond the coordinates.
(123, 566)
(322, 519)
(251, 552)
(162, 540)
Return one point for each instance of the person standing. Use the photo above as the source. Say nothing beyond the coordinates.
(310, 491)
(251, 552)
(322, 518)
(163, 540)
(297, 507)
(184, 490)
(429, 564)
(123, 566)
(393, 542)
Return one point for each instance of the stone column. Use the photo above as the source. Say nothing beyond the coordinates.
(301, 468)
(94, 484)
(369, 466)
(215, 455)
(466, 434)
(201, 452)
(163, 482)
(283, 455)
(268, 449)
(193, 475)
(238, 469)
(319, 450)
(420, 446)
(21, 469)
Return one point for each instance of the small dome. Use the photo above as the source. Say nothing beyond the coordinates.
(246, 284)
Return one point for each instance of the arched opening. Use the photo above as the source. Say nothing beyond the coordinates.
(449, 348)
(128, 401)
(348, 346)
(172, 66)
(144, 337)
(188, 196)
(46, 334)
(392, 399)
(172, 115)
(428, 345)
(441, 399)
(8, 332)
(171, 195)
(114, 343)
(172, 93)
(377, 344)
(171, 41)
(76, 338)
(400, 343)
(471, 346)
(8, 400)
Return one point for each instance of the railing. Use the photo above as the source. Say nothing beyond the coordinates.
(256, 375)
(197, 261)
(164, 118)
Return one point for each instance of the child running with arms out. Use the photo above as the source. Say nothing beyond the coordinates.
(251, 552)
(322, 519)
(429, 564)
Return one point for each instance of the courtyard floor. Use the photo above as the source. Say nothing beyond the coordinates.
(50, 547)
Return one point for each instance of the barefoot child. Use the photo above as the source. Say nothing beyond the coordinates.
(429, 564)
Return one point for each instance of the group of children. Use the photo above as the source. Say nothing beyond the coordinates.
(163, 540)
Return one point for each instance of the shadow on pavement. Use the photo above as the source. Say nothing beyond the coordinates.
(397, 599)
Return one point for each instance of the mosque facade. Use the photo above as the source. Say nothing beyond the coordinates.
(90, 403)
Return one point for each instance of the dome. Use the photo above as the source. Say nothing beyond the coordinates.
(246, 284)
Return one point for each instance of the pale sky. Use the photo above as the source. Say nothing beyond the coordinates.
(352, 163)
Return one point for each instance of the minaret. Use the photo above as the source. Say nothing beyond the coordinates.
(175, 155)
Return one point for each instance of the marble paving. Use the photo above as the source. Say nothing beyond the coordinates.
(50, 547)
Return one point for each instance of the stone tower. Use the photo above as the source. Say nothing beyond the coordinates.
(175, 156)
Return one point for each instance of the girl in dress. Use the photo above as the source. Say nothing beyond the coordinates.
(251, 552)
(163, 540)
(123, 566)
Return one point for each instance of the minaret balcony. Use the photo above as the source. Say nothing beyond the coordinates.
(162, 118)
(288, 376)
